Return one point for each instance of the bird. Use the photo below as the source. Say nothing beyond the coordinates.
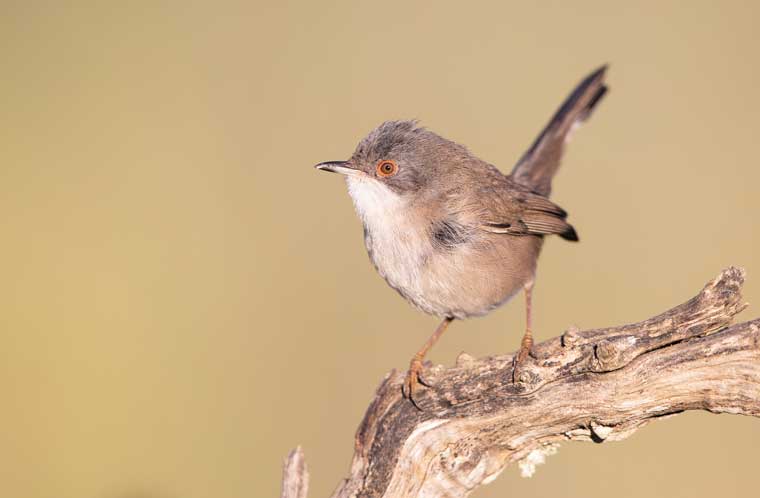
(451, 233)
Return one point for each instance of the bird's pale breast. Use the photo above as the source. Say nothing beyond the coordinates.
(467, 276)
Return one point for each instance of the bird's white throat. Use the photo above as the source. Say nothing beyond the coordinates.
(375, 203)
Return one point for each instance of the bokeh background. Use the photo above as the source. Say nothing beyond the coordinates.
(184, 299)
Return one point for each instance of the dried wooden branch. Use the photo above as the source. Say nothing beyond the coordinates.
(594, 385)
(295, 476)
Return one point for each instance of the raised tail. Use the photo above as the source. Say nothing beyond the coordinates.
(538, 165)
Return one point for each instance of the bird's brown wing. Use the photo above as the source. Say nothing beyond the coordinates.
(517, 211)
(540, 162)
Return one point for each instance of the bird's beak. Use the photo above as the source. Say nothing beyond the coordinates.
(342, 167)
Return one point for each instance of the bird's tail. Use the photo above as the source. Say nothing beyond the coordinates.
(538, 165)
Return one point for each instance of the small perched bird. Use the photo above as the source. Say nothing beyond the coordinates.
(448, 231)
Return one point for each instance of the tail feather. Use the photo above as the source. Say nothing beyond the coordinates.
(541, 161)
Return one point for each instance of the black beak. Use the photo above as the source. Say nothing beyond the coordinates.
(342, 167)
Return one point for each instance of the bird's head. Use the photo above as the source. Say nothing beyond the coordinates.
(396, 163)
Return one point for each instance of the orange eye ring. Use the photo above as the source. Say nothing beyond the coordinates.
(386, 168)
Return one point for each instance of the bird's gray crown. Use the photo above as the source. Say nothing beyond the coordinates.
(389, 137)
(419, 152)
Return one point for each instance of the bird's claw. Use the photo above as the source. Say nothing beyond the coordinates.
(413, 378)
(517, 361)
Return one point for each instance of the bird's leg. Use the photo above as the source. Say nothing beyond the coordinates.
(415, 366)
(527, 341)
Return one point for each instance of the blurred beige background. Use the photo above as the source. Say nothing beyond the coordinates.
(184, 298)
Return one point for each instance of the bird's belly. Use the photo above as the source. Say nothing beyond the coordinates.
(468, 280)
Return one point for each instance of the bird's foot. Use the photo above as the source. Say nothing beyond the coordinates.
(413, 379)
(517, 362)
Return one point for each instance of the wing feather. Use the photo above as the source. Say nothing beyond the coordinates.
(514, 210)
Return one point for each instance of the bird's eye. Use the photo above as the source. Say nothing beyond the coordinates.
(386, 168)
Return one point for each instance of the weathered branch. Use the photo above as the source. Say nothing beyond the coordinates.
(295, 476)
(592, 385)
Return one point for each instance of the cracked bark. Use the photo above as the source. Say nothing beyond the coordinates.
(594, 385)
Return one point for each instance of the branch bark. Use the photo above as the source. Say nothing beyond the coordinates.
(594, 385)
(295, 476)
